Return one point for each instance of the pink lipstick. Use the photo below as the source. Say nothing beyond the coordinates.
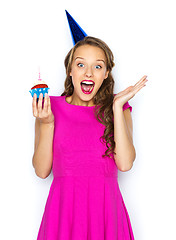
(87, 86)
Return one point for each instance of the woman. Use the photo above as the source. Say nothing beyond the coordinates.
(85, 136)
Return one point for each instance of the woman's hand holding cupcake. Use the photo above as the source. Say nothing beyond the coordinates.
(43, 113)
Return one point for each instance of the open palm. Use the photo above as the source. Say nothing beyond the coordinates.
(122, 97)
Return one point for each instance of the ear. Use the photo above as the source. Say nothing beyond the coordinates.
(106, 75)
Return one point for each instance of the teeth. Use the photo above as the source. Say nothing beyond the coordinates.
(87, 82)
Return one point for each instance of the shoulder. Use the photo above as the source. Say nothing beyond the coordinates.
(55, 102)
(55, 98)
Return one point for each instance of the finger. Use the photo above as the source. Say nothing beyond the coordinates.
(138, 88)
(141, 80)
(40, 103)
(124, 91)
(128, 89)
(49, 105)
(45, 108)
(140, 85)
(34, 105)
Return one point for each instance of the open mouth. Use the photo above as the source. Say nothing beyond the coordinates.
(87, 86)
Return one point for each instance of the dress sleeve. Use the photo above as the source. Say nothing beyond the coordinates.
(127, 105)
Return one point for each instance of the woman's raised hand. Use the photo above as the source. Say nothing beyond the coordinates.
(44, 114)
(122, 97)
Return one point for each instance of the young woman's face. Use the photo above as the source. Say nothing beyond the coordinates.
(89, 63)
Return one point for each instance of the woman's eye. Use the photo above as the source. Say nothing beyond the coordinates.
(80, 64)
(98, 66)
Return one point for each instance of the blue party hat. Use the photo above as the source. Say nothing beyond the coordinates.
(76, 31)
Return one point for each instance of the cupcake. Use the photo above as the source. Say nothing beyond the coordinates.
(39, 87)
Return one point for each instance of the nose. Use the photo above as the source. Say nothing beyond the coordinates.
(88, 72)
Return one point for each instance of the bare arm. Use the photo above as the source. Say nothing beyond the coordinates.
(124, 149)
(37, 132)
(123, 129)
(44, 131)
(43, 150)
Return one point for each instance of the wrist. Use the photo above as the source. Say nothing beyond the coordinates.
(47, 123)
(46, 127)
(117, 106)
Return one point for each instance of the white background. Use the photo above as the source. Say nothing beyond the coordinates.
(142, 37)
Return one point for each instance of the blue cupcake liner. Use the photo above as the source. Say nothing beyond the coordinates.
(38, 91)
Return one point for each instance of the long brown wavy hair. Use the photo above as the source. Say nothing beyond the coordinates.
(103, 99)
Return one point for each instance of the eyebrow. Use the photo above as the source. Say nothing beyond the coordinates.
(96, 60)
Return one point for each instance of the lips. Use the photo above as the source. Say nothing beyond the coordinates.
(87, 87)
(88, 81)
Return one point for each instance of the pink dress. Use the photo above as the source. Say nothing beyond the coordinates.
(84, 201)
